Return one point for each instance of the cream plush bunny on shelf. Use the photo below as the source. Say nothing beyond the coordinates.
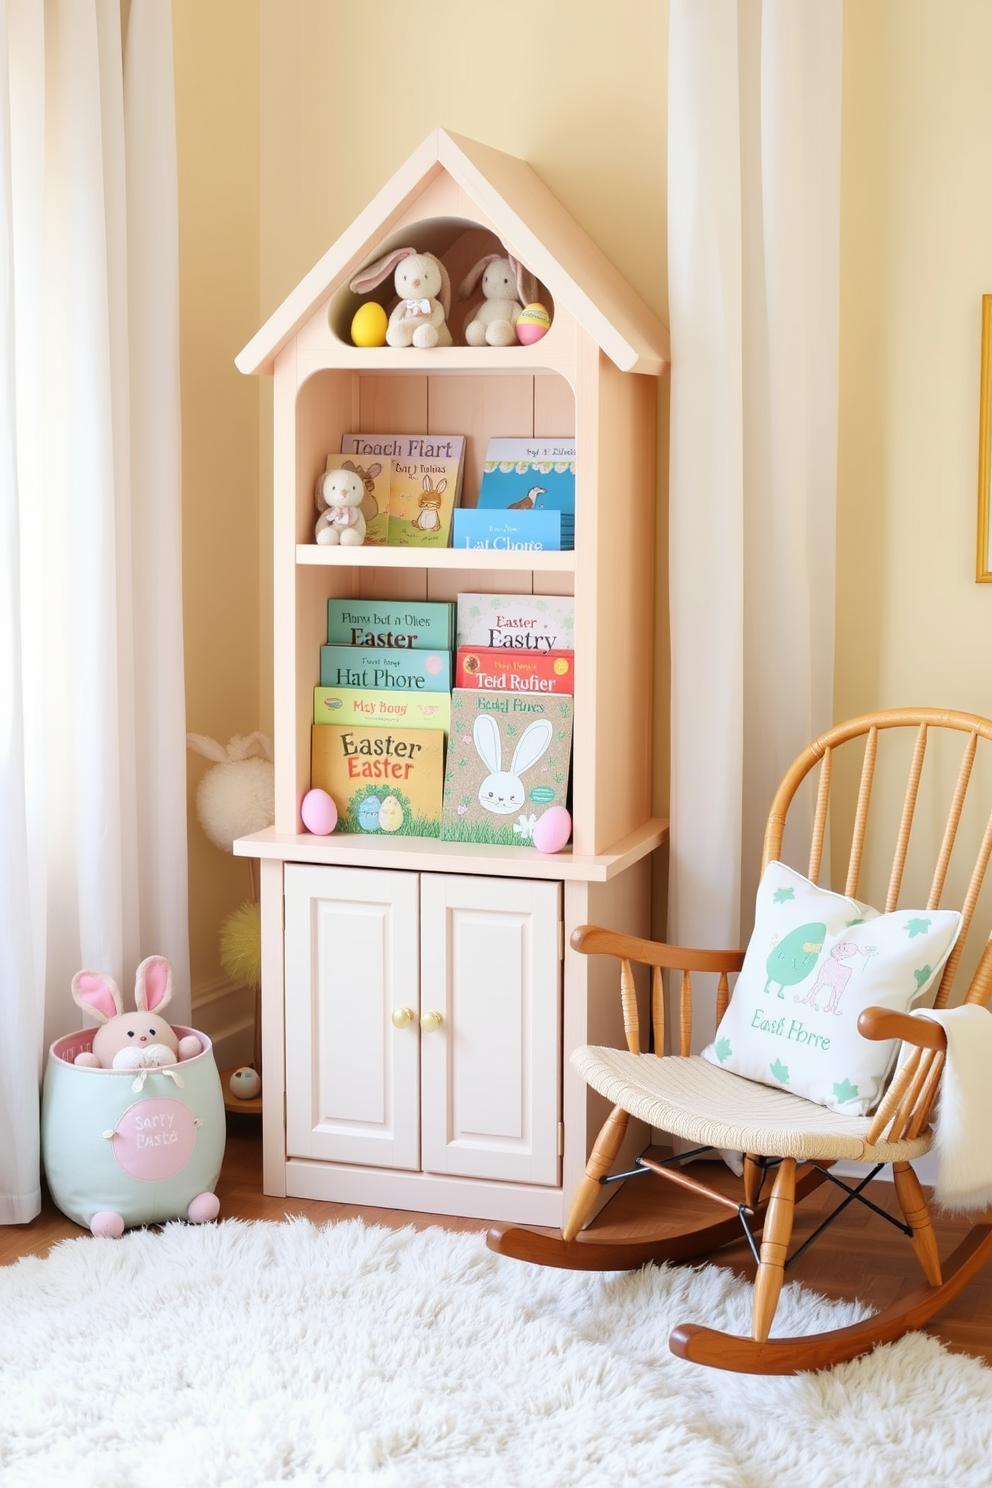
(421, 281)
(506, 288)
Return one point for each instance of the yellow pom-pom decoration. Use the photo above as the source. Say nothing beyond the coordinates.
(533, 322)
(241, 946)
(368, 325)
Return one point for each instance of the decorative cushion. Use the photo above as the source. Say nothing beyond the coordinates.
(816, 959)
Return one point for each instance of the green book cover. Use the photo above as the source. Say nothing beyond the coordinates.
(339, 705)
(391, 624)
(508, 761)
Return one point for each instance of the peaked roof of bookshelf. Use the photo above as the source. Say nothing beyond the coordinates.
(526, 216)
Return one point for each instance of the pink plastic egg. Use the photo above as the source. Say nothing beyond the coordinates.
(319, 813)
(552, 830)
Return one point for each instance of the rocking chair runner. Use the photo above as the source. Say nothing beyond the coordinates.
(774, 1130)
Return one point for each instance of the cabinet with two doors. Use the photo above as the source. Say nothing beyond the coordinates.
(419, 997)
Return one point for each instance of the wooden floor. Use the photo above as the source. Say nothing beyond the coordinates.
(861, 1256)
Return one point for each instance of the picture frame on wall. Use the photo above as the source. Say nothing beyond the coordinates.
(983, 570)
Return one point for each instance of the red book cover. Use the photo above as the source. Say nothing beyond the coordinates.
(493, 669)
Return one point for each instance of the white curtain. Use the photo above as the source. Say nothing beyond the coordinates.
(92, 721)
(754, 242)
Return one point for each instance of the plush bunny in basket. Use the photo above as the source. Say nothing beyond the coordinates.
(132, 1120)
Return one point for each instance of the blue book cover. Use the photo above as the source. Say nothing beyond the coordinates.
(508, 532)
(531, 475)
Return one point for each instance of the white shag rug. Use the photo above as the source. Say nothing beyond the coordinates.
(253, 1354)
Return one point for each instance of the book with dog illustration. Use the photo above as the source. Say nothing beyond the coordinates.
(384, 781)
(522, 475)
(508, 762)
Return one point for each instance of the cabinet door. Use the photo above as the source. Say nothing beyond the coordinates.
(352, 1077)
(490, 1073)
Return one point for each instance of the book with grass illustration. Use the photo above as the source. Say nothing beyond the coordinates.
(421, 501)
(386, 781)
(508, 759)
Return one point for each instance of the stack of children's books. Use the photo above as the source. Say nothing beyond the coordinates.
(381, 714)
(413, 483)
(510, 736)
(526, 500)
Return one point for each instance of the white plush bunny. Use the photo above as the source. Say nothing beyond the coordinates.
(421, 281)
(506, 287)
(236, 797)
(502, 792)
(339, 495)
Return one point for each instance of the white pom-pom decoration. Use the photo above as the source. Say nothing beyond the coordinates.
(237, 796)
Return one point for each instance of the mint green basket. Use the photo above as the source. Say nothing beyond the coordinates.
(139, 1143)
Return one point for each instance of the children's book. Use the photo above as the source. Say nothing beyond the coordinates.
(423, 520)
(422, 710)
(507, 532)
(421, 501)
(393, 624)
(517, 622)
(386, 781)
(508, 762)
(531, 475)
(375, 475)
(490, 669)
(383, 669)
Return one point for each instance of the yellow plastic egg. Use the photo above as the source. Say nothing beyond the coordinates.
(368, 325)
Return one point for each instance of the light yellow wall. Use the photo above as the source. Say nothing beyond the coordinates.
(912, 624)
(217, 123)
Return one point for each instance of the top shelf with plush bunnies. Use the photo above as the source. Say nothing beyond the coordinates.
(505, 277)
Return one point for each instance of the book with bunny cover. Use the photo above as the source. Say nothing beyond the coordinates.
(508, 761)
(421, 502)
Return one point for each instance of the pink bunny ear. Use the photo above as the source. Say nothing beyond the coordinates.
(152, 984)
(97, 994)
(475, 274)
(526, 283)
(373, 274)
(444, 293)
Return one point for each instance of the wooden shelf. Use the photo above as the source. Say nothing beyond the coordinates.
(430, 855)
(312, 555)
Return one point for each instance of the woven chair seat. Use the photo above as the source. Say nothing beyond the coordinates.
(708, 1106)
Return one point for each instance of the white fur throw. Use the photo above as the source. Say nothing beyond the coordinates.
(963, 1120)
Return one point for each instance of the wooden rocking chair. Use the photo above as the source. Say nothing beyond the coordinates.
(777, 1131)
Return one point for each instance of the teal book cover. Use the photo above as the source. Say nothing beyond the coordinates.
(391, 624)
(380, 670)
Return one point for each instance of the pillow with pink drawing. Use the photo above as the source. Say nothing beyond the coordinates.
(138, 1040)
(815, 961)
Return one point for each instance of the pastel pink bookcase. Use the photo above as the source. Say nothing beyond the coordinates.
(420, 998)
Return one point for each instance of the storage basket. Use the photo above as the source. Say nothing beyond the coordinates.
(139, 1143)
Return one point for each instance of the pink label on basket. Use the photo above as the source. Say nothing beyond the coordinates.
(154, 1139)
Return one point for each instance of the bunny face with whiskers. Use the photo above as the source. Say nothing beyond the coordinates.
(503, 792)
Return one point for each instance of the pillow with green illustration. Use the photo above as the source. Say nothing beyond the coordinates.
(815, 961)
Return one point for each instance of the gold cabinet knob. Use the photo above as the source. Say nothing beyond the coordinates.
(402, 1017)
(431, 1022)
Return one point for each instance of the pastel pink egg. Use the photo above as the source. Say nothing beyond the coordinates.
(533, 322)
(319, 813)
(552, 830)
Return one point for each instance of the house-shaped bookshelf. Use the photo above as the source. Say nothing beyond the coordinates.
(593, 376)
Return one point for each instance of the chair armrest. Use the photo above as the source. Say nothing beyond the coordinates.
(881, 1023)
(593, 940)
